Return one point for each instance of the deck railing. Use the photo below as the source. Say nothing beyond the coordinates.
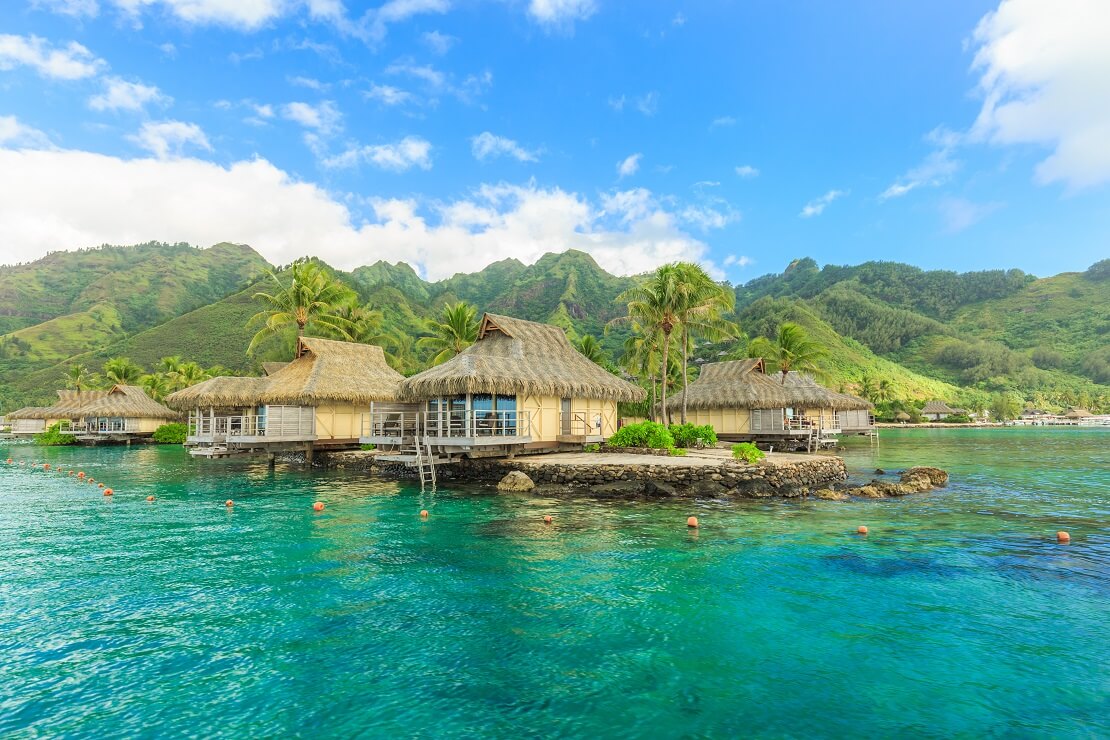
(390, 424)
(473, 424)
(106, 426)
(580, 423)
(277, 422)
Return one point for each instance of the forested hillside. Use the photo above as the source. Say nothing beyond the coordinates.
(957, 336)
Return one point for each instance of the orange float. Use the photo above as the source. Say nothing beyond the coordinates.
(548, 519)
(861, 530)
(423, 513)
(229, 502)
(46, 466)
(81, 474)
(692, 522)
(318, 506)
(149, 498)
(1063, 536)
(107, 491)
(99, 485)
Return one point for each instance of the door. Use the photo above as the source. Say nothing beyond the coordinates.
(564, 416)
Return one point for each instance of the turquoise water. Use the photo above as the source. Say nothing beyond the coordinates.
(958, 615)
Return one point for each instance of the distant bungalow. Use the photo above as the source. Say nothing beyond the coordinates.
(937, 410)
(743, 403)
(317, 401)
(521, 387)
(120, 414)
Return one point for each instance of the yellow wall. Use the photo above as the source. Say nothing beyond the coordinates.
(591, 408)
(545, 416)
(723, 421)
(339, 421)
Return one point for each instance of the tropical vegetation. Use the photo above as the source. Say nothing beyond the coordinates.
(54, 437)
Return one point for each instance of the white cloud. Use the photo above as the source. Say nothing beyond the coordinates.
(120, 94)
(705, 218)
(935, 170)
(630, 165)
(1044, 80)
(309, 82)
(18, 135)
(438, 43)
(168, 49)
(324, 117)
(247, 15)
(648, 103)
(737, 260)
(389, 95)
(817, 206)
(73, 8)
(746, 170)
(678, 20)
(436, 82)
(958, 214)
(165, 139)
(616, 103)
(722, 121)
(70, 62)
(409, 152)
(560, 14)
(72, 199)
(486, 145)
(375, 23)
(264, 110)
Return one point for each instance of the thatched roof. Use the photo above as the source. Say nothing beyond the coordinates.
(938, 407)
(269, 368)
(127, 401)
(1078, 414)
(514, 356)
(325, 371)
(29, 412)
(902, 416)
(743, 384)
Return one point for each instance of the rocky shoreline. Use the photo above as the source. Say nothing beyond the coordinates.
(646, 476)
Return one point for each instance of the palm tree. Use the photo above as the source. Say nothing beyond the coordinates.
(311, 299)
(190, 373)
(591, 348)
(365, 322)
(457, 331)
(400, 351)
(655, 306)
(702, 304)
(122, 370)
(169, 364)
(792, 351)
(157, 385)
(79, 378)
(867, 387)
(884, 391)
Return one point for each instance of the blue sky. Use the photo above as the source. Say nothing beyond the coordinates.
(450, 133)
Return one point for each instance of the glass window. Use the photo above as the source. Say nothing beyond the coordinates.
(506, 403)
(481, 402)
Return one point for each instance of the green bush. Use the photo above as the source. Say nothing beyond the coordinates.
(687, 435)
(645, 434)
(592, 448)
(957, 419)
(678, 452)
(747, 452)
(53, 437)
(367, 448)
(171, 434)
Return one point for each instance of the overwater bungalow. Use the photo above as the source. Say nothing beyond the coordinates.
(745, 404)
(520, 388)
(317, 401)
(120, 414)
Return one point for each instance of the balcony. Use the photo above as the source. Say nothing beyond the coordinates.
(95, 427)
(389, 428)
(469, 428)
(278, 424)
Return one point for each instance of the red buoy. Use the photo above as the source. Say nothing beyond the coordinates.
(46, 466)
(229, 502)
(861, 530)
(318, 506)
(99, 485)
(548, 519)
(423, 513)
(692, 522)
(1063, 537)
(107, 491)
(149, 498)
(81, 474)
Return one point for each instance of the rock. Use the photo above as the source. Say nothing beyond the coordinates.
(936, 476)
(659, 489)
(880, 471)
(516, 481)
(619, 489)
(868, 491)
(829, 494)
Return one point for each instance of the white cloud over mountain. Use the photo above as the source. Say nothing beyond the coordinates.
(64, 199)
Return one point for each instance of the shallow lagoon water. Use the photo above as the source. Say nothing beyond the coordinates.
(959, 613)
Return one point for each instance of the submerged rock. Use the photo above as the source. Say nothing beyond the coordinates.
(516, 481)
(936, 476)
(829, 494)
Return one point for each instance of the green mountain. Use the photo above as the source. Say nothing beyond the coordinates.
(930, 333)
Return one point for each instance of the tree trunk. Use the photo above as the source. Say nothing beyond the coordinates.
(653, 406)
(666, 348)
(685, 377)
